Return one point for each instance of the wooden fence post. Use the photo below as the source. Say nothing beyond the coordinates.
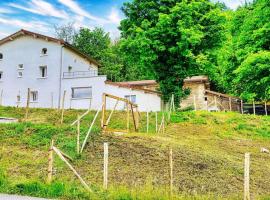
(103, 110)
(1, 98)
(63, 107)
(127, 117)
(105, 166)
(254, 108)
(27, 103)
(50, 166)
(246, 177)
(265, 107)
(156, 122)
(171, 171)
(215, 98)
(230, 103)
(194, 102)
(90, 128)
(51, 99)
(78, 134)
(242, 107)
(163, 125)
(147, 121)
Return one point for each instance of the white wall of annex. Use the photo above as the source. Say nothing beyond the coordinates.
(146, 101)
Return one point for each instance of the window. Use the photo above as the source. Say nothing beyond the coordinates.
(34, 96)
(1, 56)
(131, 98)
(1, 75)
(205, 98)
(81, 92)
(20, 74)
(20, 66)
(44, 51)
(69, 68)
(18, 98)
(43, 71)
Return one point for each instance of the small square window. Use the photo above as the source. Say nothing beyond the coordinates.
(1, 75)
(69, 68)
(44, 51)
(1, 56)
(34, 96)
(20, 74)
(20, 66)
(43, 71)
(18, 98)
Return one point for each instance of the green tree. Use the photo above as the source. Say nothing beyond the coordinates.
(253, 77)
(97, 44)
(172, 39)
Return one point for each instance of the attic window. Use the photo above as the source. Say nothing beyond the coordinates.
(1, 56)
(44, 51)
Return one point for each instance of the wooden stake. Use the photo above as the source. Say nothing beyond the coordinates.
(254, 108)
(103, 110)
(265, 107)
(78, 134)
(27, 103)
(242, 107)
(246, 177)
(156, 122)
(110, 116)
(76, 121)
(1, 98)
(51, 99)
(50, 166)
(173, 106)
(163, 125)
(215, 98)
(171, 171)
(147, 121)
(72, 169)
(105, 167)
(134, 118)
(63, 107)
(127, 117)
(230, 103)
(90, 129)
(194, 102)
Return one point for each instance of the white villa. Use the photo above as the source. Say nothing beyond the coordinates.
(50, 66)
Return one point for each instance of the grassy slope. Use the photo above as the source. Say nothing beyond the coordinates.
(208, 151)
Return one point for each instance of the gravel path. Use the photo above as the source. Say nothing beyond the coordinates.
(16, 197)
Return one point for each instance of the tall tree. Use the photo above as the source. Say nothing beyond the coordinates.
(65, 32)
(172, 38)
(97, 44)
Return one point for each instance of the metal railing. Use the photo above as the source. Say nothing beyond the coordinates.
(80, 74)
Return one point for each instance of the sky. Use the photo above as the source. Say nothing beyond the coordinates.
(42, 15)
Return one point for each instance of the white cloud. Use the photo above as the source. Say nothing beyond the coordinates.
(114, 16)
(74, 7)
(5, 11)
(41, 7)
(32, 25)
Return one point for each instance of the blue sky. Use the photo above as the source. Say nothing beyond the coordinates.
(41, 15)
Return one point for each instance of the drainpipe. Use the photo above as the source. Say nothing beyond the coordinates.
(60, 77)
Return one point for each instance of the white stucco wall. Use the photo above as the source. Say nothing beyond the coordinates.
(27, 51)
(146, 101)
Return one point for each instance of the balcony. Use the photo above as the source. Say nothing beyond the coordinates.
(80, 74)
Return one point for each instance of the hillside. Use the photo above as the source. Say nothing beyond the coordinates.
(208, 152)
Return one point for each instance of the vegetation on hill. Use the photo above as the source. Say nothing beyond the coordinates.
(208, 152)
(169, 40)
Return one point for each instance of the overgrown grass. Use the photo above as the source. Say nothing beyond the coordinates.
(207, 147)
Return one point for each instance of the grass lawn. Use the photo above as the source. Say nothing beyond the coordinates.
(208, 156)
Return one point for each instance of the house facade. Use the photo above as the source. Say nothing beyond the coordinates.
(49, 67)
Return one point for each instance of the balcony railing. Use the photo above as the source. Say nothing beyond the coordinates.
(80, 74)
